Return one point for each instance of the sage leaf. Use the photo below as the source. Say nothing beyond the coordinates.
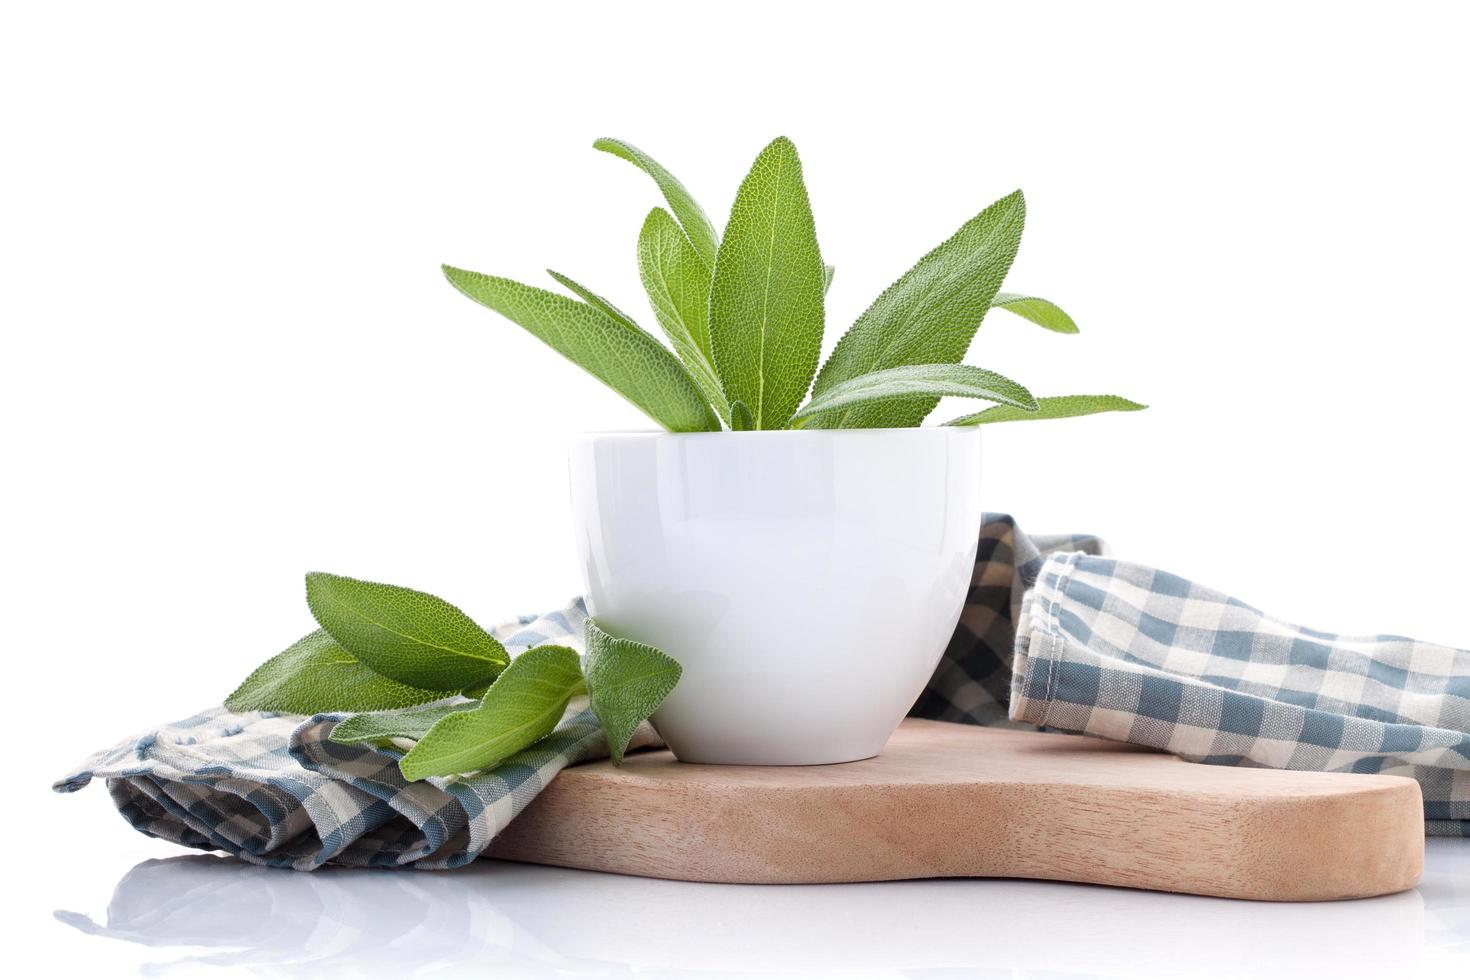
(929, 380)
(678, 288)
(827, 273)
(682, 297)
(1042, 312)
(740, 418)
(405, 635)
(766, 300)
(929, 316)
(381, 726)
(626, 682)
(696, 223)
(677, 282)
(617, 352)
(522, 707)
(316, 673)
(593, 299)
(1056, 407)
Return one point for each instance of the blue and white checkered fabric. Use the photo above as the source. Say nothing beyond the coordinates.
(1131, 653)
(1053, 634)
(272, 788)
(973, 681)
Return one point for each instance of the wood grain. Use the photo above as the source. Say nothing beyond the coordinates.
(946, 800)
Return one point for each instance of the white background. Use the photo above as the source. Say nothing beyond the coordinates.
(229, 356)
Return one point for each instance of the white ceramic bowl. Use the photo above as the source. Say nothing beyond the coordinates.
(807, 581)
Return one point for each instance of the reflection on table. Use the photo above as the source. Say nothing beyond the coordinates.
(521, 920)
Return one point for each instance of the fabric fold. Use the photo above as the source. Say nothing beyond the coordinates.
(274, 789)
(1135, 654)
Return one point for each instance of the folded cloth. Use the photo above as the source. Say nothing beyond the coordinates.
(1053, 634)
(973, 680)
(273, 789)
(1131, 653)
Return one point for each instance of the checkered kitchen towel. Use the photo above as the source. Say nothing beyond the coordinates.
(272, 789)
(1131, 653)
(1053, 635)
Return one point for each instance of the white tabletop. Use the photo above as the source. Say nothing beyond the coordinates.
(182, 914)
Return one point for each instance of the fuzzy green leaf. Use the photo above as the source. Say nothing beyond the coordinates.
(405, 635)
(677, 282)
(522, 707)
(618, 353)
(696, 223)
(740, 418)
(380, 726)
(626, 682)
(827, 273)
(929, 316)
(317, 674)
(593, 299)
(929, 380)
(1042, 312)
(1056, 407)
(766, 301)
(683, 295)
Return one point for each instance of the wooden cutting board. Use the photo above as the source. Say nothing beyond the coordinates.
(946, 800)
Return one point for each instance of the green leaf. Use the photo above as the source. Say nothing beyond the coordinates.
(929, 316)
(677, 282)
(522, 707)
(1057, 407)
(828, 272)
(626, 682)
(616, 352)
(1042, 312)
(766, 301)
(740, 418)
(929, 380)
(696, 223)
(593, 299)
(317, 674)
(380, 726)
(685, 295)
(405, 635)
